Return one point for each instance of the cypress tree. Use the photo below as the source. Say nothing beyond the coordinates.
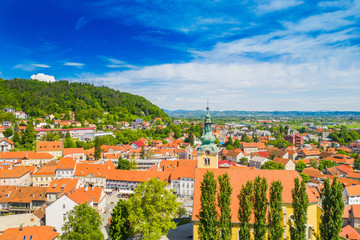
(97, 148)
(333, 207)
(260, 203)
(28, 136)
(276, 230)
(300, 205)
(120, 226)
(208, 217)
(245, 209)
(224, 201)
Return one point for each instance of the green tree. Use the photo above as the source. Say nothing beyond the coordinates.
(260, 200)
(356, 162)
(97, 148)
(83, 222)
(332, 210)
(151, 209)
(245, 209)
(8, 132)
(28, 136)
(297, 224)
(208, 216)
(16, 138)
(120, 225)
(191, 138)
(224, 201)
(237, 143)
(67, 135)
(300, 165)
(275, 214)
(69, 143)
(305, 177)
(244, 161)
(123, 164)
(272, 165)
(313, 163)
(245, 138)
(326, 164)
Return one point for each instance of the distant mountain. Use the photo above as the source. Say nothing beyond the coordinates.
(89, 102)
(235, 113)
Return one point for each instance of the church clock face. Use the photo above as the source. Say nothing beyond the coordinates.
(207, 153)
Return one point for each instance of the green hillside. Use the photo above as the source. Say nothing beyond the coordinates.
(89, 102)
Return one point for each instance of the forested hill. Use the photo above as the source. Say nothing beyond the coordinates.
(89, 102)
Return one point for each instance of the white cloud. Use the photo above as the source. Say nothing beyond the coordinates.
(31, 67)
(81, 22)
(43, 77)
(276, 5)
(74, 64)
(116, 63)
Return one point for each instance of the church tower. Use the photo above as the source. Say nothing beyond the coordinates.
(208, 151)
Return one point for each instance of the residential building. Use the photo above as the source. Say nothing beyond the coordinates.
(93, 175)
(75, 153)
(257, 162)
(287, 163)
(182, 181)
(59, 187)
(15, 199)
(31, 233)
(354, 215)
(36, 159)
(65, 168)
(55, 148)
(17, 176)
(17, 220)
(6, 145)
(44, 176)
(352, 194)
(295, 139)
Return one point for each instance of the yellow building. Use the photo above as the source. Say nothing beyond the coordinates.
(44, 176)
(208, 161)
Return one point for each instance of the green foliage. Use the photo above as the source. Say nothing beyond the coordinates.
(120, 225)
(88, 102)
(275, 214)
(191, 138)
(83, 222)
(260, 200)
(245, 138)
(333, 207)
(208, 216)
(69, 143)
(8, 132)
(326, 164)
(280, 143)
(244, 161)
(300, 166)
(245, 209)
(345, 136)
(16, 138)
(300, 205)
(305, 177)
(272, 165)
(224, 201)
(28, 137)
(97, 154)
(152, 208)
(123, 164)
(356, 162)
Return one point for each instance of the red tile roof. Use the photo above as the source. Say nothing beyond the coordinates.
(49, 146)
(37, 233)
(349, 232)
(66, 163)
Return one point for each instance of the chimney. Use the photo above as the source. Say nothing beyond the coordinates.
(20, 228)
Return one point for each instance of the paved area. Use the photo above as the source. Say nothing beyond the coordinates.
(111, 201)
(181, 232)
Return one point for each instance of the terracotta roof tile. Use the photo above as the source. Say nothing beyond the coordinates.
(37, 233)
(49, 146)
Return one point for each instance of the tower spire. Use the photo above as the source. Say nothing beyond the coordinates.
(207, 108)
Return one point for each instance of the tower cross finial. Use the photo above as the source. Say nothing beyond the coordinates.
(207, 108)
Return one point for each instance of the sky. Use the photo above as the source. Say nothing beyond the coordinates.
(265, 55)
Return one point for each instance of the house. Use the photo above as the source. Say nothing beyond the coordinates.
(17, 220)
(17, 176)
(352, 194)
(287, 163)
(156, 143)
(55, 148)
(15, 199)
(7, 110)
(59, 187)
(56, 212)
(13, 157)
(6, 145)
(93, 175)
(182, 181)
(239, 177)
(44, 176)
(345, 217)
(31, 233)
(295, 139)
(234, 155)
(341, 159)
(75, 153)
(65, 168)
(349, 233)
(252, 147)
(36, 159)
(137, 144)
(354, 215)
(257, 162)
(310, 153)
(20, 115)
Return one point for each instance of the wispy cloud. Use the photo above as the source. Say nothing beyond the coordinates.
(115, 63)
(81, 22)
(31, 66)
(276, 5)
(74, 64)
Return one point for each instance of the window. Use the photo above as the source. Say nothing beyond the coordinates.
(64, 206)
(207, 161)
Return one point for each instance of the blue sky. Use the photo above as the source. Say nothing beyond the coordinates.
(242, 55)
